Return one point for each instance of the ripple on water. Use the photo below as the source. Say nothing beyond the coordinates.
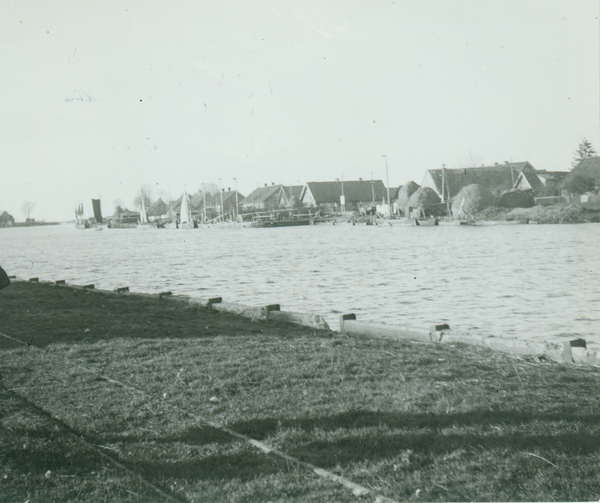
(330, 270)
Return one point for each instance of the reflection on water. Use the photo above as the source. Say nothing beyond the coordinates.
(523, 280)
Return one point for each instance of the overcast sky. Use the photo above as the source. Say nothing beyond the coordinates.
(100, 98)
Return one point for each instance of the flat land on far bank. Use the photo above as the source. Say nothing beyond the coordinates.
(108, 400)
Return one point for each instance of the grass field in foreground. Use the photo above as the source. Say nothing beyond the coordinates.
(410, 421)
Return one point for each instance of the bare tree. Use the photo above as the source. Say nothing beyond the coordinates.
(145, 192)
(27, 208)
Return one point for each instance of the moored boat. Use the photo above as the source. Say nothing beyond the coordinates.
(185, 217)
(144, 223)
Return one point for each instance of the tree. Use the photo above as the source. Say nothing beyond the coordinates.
(27, 208)
(584, 151)
(146, 193)
(579, 185)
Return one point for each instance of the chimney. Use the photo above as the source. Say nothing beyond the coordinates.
(272, 183)
(360, 179)
(265, 184)
(228, 189)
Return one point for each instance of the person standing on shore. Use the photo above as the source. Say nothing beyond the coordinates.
(4, 281)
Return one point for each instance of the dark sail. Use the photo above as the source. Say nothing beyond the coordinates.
(97, 210)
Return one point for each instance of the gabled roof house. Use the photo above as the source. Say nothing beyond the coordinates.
(540, 183)
(356, 193)
(497, 179)
(586, 175)
(6, 219)
(264, 198)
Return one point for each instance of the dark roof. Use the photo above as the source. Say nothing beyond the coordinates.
(262, 194)
(587, 168)
(533, 180)
(158, 208)
(354, 191)
(293, 191)
(394, 192)
(231, 194)
(497, 178)
(5, 217)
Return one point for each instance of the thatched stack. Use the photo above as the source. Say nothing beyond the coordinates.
(472, 199)
(404, 195)
(516, 199)
(423, 197)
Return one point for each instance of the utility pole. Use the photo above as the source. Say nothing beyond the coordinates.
(236, 200)
(221, 191)
(203, 203)
(343, 198)
(387, 176)
(372, 189)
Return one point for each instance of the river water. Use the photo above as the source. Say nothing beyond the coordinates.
(523, 280)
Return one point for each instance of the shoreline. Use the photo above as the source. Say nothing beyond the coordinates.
(567, 350)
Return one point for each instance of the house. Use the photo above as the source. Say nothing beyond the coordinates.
(497, 179)
(268, 197)
(541, 183)
(584, 178)
(229, 202)
(6, 220)
(158, 209)
(122, 217)
(292, 195)
(357, 194)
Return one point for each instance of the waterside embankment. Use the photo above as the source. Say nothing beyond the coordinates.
(124, 396)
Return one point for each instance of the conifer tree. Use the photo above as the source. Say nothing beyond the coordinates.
(584, 151)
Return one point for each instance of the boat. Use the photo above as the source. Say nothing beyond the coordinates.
(80, 221)
(425, 222)
(144, 223)
(171, 222)
(99, 223)
(281, 218)
(185, 217)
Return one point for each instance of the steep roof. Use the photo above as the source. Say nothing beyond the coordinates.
(231, 194)
(293, 191)
(587, 168)
(158, 208)
(5, 217)
(354, 191)
(533, 180)
(497, 178)
(262, 194)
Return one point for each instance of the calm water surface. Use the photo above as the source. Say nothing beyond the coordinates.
(523, 280)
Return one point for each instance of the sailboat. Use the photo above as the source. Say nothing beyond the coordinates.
(185, 216)
(99, 225)
(143, 222)
(80, 221)
(172, 216)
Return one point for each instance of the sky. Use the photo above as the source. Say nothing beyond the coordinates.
(101, 98)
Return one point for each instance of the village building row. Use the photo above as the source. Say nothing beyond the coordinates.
(361, 195)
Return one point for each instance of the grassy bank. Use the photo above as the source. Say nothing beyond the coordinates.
(409, 421)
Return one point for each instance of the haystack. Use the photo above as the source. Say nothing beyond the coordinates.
(404, 195)
(472, 199)
(422, 198)
(516, 199)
